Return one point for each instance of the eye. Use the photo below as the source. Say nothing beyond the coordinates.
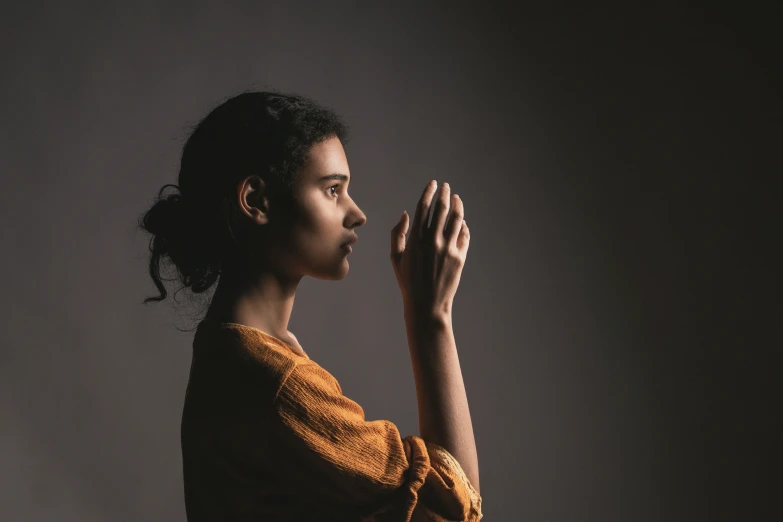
(333, 187)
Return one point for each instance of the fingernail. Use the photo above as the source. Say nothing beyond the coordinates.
(445, 185)
(433, 183)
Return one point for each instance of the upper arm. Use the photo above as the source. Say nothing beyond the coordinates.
(332, 455)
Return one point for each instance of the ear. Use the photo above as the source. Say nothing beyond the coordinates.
(252, 199)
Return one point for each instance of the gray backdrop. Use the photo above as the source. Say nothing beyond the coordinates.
(612, 312)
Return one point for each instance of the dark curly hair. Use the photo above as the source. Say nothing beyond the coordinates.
(254, 133)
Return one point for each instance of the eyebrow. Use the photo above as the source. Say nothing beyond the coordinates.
(340, 177)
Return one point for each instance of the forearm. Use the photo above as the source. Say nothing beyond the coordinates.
(444, 416)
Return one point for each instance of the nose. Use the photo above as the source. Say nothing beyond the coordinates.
(357, 218)
(362, 219)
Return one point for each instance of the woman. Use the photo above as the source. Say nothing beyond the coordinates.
(266, 432)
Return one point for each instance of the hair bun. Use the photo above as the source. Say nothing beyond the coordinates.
(166, 216)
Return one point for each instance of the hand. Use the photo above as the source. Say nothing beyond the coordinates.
(429, 264)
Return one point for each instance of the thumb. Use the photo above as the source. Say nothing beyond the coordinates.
(398, 236)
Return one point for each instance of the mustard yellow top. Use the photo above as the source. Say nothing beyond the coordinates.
(268, 435)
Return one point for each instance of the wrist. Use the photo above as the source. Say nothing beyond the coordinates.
(427, 316)
(430, 338)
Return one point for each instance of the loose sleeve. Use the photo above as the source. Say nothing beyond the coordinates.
(352, 467)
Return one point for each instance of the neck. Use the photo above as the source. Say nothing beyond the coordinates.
(263, 301)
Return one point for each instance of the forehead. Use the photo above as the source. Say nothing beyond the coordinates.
(325, 157)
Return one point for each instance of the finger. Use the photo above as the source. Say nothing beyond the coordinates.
(463, 240)
(423, 209)
(441, 210)
(455, 220)
(398, 236)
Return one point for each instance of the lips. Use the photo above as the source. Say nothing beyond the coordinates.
(351, 241)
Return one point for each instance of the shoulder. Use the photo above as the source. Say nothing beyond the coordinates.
(245, 354)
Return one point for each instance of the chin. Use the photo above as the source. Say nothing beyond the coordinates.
(342, 271)
(336, 273)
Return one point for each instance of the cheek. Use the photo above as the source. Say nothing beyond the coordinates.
(316, 232)
(322, 219)
(316, 229)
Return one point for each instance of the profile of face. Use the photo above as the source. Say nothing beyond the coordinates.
(308, 238)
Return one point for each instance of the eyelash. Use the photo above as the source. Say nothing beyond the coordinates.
(333, 186)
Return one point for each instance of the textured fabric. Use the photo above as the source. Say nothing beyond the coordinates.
(267, 434)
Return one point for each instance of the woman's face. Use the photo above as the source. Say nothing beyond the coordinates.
(323, 217)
